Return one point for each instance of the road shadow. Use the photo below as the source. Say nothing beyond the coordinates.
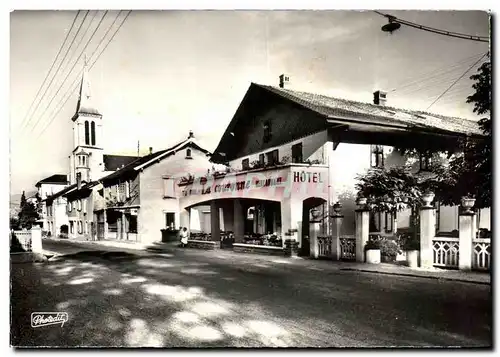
(172, 299)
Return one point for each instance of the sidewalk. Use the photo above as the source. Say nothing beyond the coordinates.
(307, 263)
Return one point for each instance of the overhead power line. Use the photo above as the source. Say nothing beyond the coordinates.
(440, 72)
(58, 68)
(50, 70)
(462, 36)
(73, 88)
(459, 78)
(74, 64)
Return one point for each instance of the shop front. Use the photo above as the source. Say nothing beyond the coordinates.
(260, 207)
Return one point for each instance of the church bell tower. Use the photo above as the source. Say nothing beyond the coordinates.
(87, 156)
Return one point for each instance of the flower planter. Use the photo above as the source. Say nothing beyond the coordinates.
(467, 204)
(373, 256)
(412, 258)
(361, 202)
(427, 198)
(315, 214)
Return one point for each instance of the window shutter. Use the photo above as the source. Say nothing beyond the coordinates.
(127, 189)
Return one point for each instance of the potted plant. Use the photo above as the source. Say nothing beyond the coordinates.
(372, 252)
(337, 207)
(412, 249)
(389, 250)
(467, 203)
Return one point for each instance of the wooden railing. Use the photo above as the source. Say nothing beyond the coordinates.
(445, 251)
(481, 253)
(348, 248)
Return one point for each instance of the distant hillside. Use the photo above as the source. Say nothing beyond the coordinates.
(15, 201)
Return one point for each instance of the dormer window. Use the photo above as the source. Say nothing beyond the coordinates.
(82, 160)
(188, 154)
(377, 156)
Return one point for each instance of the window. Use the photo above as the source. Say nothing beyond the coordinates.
(132, 224)
(72, 227)
(168, 188)
(86, 227)
(79, 205)
(87, 136)
(262, 159)
(84, 206)
(425, 160)
(170, 219)
(297, 153)
(245, 164)
(188, 154)
(121, 191)
(80, 227)
(70, 206)
(267, 131)
(92, 127)
(273, 157)
(377, 156)
(127, 189)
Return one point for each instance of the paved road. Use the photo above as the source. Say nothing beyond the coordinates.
(190, 298)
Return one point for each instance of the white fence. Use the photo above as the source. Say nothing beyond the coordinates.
(481, 253)
(348, 248)
(446, 252)
(24, 238)
(324, 246)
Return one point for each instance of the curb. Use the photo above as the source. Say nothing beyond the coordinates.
(417, 276)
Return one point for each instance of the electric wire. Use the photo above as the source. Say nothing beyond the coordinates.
(433, 29)
(50, 70)
(70, 92)
(74, 64)
(58, 68)
(459, 78)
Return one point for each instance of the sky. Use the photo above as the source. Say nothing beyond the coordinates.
(168, 72)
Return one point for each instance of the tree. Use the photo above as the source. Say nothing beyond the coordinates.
(28, 214)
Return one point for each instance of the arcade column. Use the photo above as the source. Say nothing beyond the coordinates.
(215, 221)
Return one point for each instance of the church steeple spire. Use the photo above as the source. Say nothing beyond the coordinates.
(85, 104)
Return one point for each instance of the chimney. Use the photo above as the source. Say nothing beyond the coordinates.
(379, 97)
(150, 150)
(284, 80)
(191, 135)
(78, 180)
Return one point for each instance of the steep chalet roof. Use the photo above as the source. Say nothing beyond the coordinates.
(342, 112)
(153, 158)
(337, 107)
(54, 179)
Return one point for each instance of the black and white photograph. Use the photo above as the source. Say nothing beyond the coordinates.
(250, 178)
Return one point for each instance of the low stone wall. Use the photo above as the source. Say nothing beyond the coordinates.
(257, 249)
(203, 244)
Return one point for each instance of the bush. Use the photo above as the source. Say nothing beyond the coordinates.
(389, 250)
(372, 244)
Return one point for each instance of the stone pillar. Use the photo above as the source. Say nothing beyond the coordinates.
(36, 240)
(222, 226)
(238, 221)
(427, 233)
(314, 228)
(362, 217)
(336, 223)
(466, 224)
(214, 221)
(291, 219)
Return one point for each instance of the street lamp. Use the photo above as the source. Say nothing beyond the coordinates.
(392, 25)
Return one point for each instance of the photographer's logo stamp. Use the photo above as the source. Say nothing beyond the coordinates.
(39, 319)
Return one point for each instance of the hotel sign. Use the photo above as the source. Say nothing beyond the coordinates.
(271, 184)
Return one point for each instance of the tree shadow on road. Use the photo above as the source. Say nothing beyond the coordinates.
(117, 299)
